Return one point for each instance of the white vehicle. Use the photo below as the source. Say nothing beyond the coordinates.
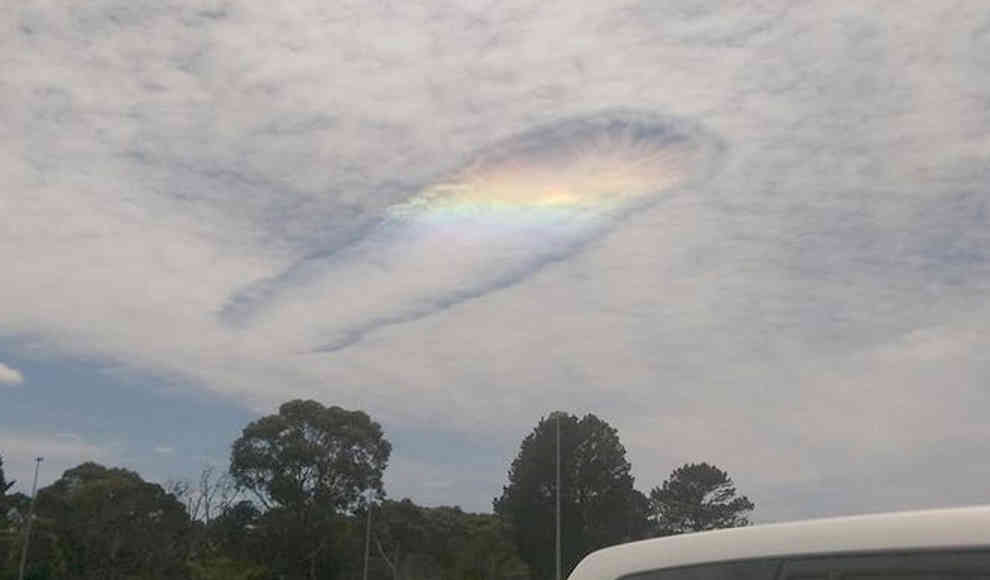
(949, 544)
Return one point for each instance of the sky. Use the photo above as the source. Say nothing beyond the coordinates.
(752, 233)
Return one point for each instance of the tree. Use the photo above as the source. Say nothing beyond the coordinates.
(488, 552)
(225, 568)
(214, 494)
(4, 484)
(697, 497)
(110, 523)
(7, 532)
(599, 506)
(308, 455)
(415, 542)
(225, 542)
(232, 532)
(5, 505)
(399, 533)
(307, 465)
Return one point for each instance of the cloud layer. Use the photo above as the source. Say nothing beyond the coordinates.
(741, 233)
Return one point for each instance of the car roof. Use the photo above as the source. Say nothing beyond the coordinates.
(932, 529)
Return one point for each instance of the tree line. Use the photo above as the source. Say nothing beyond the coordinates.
(304, 484)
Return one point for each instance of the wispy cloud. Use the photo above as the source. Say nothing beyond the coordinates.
(164, 450)
(10, 375)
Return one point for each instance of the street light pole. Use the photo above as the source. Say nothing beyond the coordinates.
(30, 520)
(367, 540)
(557, 463)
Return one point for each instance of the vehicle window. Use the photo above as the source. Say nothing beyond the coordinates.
(762, 569)
(970, 565)
(933, 575)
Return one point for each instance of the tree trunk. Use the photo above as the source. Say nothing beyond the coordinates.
(392, 563)
(312, 558)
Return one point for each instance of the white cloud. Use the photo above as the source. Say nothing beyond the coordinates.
(163, 450)
(796, 318)
(10, 376)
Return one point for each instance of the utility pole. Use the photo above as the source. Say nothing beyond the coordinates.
(557, 462)
(367, 540)
(30, 518)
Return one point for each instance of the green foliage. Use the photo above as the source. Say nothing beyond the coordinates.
(11, 530)
(599, 506)
(46, 557)
(308, 455)
(400, 531)
(7, 531)
(446, 543)
(4, 484)
(488, 552)
(225, 568)
(109, 523)
(308, 466)
(697, 497)
(232, 533)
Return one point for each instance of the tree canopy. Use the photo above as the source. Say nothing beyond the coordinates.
(598, 505)
(4, 484)
(110, 523)
(308, 455)
(442, 542)
(697, 497)
(293, 505)
(307, 465)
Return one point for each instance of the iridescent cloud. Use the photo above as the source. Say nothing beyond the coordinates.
(511, 210)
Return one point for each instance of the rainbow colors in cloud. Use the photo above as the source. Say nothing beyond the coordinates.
(588, 165)
(515, 208)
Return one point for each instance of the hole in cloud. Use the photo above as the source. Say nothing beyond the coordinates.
(512, 209)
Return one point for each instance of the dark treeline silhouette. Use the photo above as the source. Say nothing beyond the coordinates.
(294, 501)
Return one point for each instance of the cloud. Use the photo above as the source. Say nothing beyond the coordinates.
(196, 203)
(163, 450)
(10, 376)
(515, 208)
(59, 453)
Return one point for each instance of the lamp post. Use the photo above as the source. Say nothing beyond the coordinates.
(557, 465)
(367, 540)
(30, 518)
